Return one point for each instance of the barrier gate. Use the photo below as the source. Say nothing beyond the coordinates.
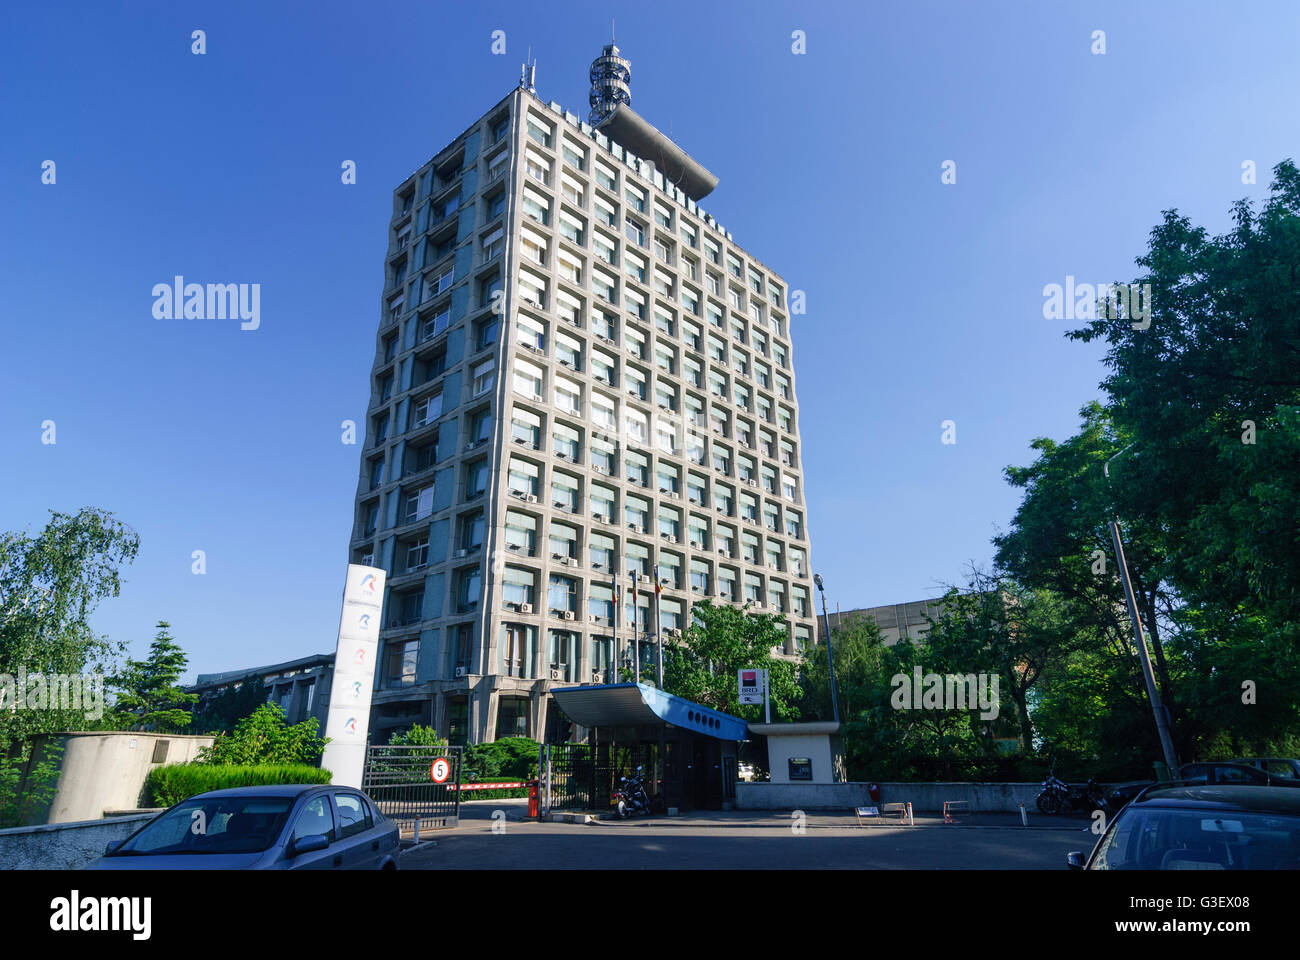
(407, 786)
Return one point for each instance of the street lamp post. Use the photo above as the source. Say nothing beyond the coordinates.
(830, 658)
(1139, 636)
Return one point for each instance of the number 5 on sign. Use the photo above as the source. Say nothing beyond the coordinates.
(440, 770)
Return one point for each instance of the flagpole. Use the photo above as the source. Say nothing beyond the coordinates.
(618, 614)
(659, 635)
(636, 634)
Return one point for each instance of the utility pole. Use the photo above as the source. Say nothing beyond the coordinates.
(1139, 635)
(830, 657)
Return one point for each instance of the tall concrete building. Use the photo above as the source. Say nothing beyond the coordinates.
(578, 373)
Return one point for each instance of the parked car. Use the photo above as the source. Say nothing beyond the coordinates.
(1201, 828)
(1279, 767)
(1201, 774)
(285, 827)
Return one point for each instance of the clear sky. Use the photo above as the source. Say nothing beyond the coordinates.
(924, 299)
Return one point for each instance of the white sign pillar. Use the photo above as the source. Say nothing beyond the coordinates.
(348, 723)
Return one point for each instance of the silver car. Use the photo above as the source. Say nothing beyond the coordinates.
(283, 827)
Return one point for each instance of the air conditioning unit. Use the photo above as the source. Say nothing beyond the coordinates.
(472, 444)
(593, 619)
(725, 552)
(557, 674)
(568, 614)
(674, 632)
(462, 671)
(600, 517)
(538, 397)
(752, 483)
(695, 544)
(461, 553)
(670, 538)
(394, 623)
(525, 608)
(531, 498)
(596, 676)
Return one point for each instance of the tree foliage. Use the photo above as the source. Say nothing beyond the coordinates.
(720, 641)
(149, 696)
(264, 738)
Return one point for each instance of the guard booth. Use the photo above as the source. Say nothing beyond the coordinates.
(688, 751)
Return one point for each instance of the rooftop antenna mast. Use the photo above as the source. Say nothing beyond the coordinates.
(611, 79)
(528, 73)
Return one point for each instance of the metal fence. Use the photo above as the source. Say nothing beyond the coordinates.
(400, 780)
(582, 778)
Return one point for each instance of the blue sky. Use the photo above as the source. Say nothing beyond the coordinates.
(924, 299)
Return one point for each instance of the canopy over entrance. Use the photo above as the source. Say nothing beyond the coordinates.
(636, 704)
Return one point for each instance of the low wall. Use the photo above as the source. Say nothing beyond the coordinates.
(64, 846)
(924, 797)
(106, 770)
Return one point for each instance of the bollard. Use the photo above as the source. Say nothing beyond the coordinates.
(1024, 820)
(910, 821)
(417, 829)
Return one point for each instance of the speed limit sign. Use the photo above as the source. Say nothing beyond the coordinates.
(440, 770)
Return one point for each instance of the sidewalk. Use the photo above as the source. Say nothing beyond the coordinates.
(825, 820)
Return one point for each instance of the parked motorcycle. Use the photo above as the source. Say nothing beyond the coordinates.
(1057, 796)
(630, 796)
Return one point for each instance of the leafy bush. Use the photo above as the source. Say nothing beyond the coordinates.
(175, 782)
(510, 758)
(24, 796)
(265, 738)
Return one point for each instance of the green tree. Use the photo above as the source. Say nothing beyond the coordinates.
(50, 584)
(720, 641)
(265, 737)
(149, 696)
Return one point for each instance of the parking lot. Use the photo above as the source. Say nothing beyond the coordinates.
(744, 840)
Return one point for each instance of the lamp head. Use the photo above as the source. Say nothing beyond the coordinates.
(817, 579)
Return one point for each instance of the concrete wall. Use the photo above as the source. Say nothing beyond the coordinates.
(106, 771)
(815, 746)
(63, 846)
(924, 797)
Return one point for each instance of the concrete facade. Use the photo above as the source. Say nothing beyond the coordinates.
(301, 687)
(896, 620)
(102, 771)
(818, 743)
(577, 373)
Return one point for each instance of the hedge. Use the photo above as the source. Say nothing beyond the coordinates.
(175, 782)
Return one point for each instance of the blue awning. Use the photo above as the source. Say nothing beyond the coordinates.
(636, 704)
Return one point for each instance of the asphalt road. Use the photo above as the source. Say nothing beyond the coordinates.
(754, 843)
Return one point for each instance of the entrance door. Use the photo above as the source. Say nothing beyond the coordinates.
(706, 773)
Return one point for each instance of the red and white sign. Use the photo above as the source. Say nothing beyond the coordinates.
(440, 770)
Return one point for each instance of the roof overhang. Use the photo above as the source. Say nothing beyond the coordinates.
(636, 704)
(629, 129)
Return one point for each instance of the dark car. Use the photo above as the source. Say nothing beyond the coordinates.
(1280, 768)
(1201, 774)
(287, 827)
(1201, 828)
